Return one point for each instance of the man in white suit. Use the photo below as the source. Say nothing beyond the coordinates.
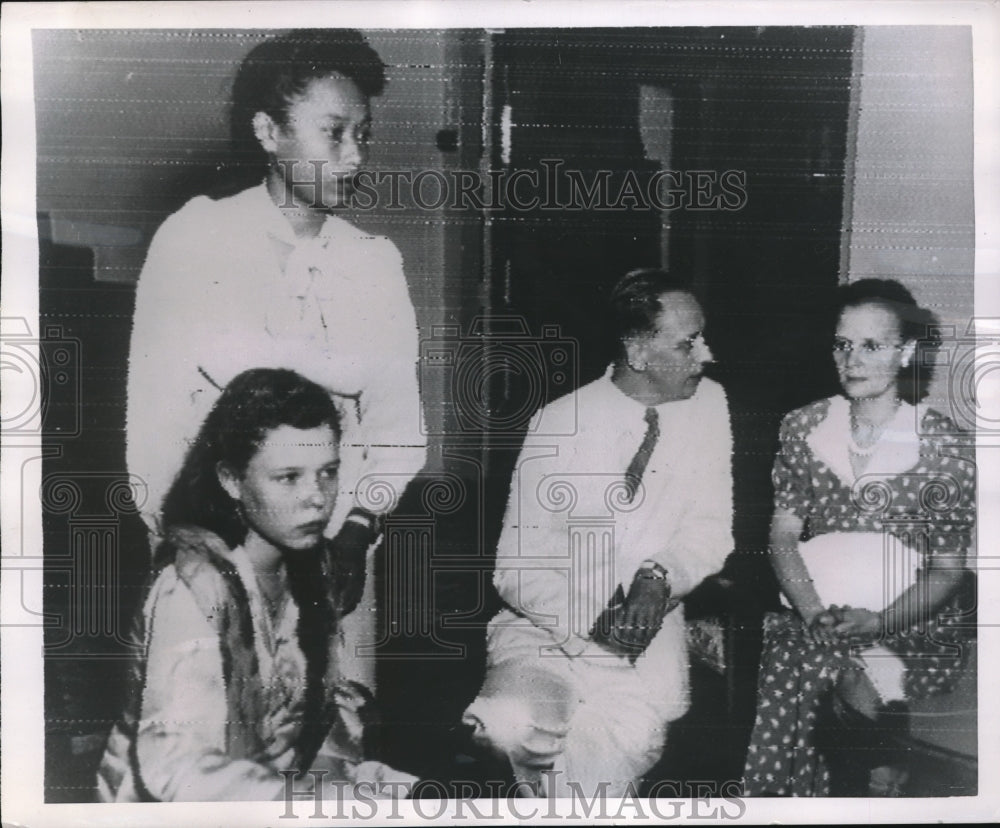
(606, 529)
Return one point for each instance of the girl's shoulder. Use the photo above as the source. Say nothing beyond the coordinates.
(200, 560)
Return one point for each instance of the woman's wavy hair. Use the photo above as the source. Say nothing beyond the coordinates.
(276, 71)
(916, 324)
(255, 403)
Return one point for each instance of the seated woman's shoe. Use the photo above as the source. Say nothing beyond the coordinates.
(888, 780)
(893, 724)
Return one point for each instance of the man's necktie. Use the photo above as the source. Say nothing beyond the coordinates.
(636, 468)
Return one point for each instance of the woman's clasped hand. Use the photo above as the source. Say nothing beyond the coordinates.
(835, 623)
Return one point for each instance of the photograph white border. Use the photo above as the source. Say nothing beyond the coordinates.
(21, 705)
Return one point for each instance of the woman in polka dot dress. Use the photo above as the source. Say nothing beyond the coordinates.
(873, 520)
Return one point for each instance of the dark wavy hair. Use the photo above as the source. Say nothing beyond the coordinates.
(276, 71)
(635, 300)
(252, 405)
(916, 324)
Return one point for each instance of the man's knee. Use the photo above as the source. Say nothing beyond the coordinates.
(523, 711)
(512, 726)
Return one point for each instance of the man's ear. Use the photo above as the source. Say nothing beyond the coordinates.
(636, 353)
(266, 131)
(228, 479)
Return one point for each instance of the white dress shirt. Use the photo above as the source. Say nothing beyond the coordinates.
(570, 538)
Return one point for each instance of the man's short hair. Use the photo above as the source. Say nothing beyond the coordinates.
(635, 300)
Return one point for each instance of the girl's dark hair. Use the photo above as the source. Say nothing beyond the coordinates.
(635, 300)
(279, 69)
(255, 403)
(916, 324)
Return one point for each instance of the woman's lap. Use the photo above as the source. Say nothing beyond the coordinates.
(797, 677)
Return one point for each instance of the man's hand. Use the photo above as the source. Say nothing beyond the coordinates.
(628, 629)
(646, 606)
(609, 632)
(348, 552)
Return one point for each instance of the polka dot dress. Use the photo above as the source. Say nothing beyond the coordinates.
(933, 503)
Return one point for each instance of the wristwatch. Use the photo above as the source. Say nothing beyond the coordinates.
(653, 571)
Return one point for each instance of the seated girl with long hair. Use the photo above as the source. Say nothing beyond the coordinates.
(237, 676)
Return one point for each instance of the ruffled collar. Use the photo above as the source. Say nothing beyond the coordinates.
(896, 451)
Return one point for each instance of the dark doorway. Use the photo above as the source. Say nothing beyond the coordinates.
(758, 141)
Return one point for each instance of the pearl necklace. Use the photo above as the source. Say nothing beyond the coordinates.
(877, 430)
(859, 450)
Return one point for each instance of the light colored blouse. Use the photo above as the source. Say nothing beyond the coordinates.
(919, 481)
(180, 740)
(227, 286)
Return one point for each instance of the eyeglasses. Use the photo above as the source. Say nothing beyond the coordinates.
(687, 345)
(868, 348)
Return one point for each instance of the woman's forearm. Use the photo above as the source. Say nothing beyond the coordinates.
(793, 577)
(919, 603)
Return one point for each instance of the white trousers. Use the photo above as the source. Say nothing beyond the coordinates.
(586, 721)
